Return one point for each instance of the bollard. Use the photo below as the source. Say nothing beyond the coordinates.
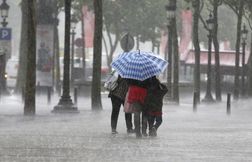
(38, 88)
(228, 104)
(59, 90)
(195, 101)
(48, 95)
(75, 95)
(0, 93)
(23, 94)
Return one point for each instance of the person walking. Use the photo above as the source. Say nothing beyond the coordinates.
(117, 99)
(153, 104)
(136, 96)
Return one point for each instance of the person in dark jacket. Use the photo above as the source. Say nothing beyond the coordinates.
(154, 104)
(117, 98)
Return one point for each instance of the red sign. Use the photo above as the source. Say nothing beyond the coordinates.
(88, 18)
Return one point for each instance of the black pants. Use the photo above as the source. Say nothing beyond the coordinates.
(116, 104)
(140, 123)
(154, 121)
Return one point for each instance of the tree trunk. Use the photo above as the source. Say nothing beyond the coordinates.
(23, 51)
(170, 62)
(107, 52)
(96, 83)
(153, 45)
(30, 86)
(176, 63)
(112, 44)
(137, 42)
(196, 6)
(83, 51)
(216, 47)
(169, 54)
(58, 84)
(237, 53)
(250, 71)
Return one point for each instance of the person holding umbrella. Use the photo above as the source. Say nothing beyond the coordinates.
(138, 67)
(117, 96)
(136, 96)
(153, 104)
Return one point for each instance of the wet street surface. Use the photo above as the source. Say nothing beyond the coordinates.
(205, 136)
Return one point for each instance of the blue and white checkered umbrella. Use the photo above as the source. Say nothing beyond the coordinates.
(139, 65)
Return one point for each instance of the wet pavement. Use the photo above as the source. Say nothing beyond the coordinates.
(205, 136)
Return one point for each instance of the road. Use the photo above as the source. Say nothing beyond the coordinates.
(205, 136)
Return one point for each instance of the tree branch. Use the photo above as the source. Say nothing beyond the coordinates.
(201, 5)
(203, 22)
(248, 20)
(231, 6)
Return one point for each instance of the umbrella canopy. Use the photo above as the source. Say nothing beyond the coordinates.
(139, 65)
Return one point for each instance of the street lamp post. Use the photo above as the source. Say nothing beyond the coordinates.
(2, 72)
(65, 104)
(244, 38)
(56, 52)
(170, 12)
(4, 10)
(73, 26)
(210, 25)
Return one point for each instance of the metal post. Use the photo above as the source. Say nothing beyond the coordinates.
(65, 104)
(48, 95)
(0, 92)
(23, 94)
(2, 72)
(59, 91)
(195, 101)
(75, 95)
(4, 8)
(38, 89)
(72, 56)
(209, 97)
(243, 89)
(228, 104)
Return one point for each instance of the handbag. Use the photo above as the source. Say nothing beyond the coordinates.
(111, 82)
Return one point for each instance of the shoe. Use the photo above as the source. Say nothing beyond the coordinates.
(153, 132)
(131, 131)
(138, 135)
(114, 131)
(145, 134)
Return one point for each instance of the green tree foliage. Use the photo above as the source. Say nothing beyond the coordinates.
(130, 16)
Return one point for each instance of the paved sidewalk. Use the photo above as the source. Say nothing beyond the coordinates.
(206, 136)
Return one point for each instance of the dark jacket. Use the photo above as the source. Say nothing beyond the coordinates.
(144, 84)
(155, 95)
(121, 90)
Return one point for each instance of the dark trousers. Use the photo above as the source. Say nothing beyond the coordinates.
(140, 123)
(144, 121)
(154, 121)
(116, 104)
